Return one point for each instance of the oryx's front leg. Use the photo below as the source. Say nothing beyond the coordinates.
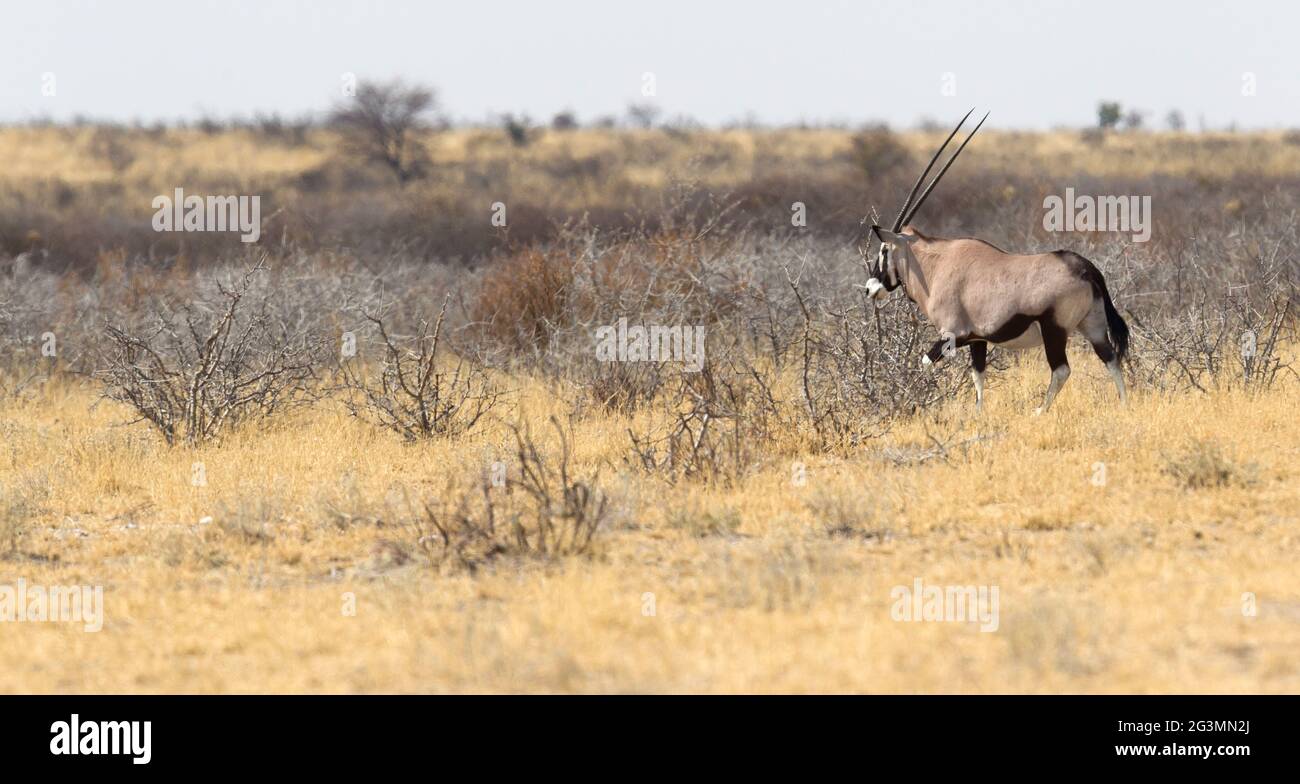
(944, 347)
(978, 361)
(931, 358)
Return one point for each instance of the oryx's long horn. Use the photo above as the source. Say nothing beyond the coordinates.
(939, 176)
(898, 221)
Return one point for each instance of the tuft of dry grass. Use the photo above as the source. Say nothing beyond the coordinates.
(524, 296)
(22, 500)
(1202, 463)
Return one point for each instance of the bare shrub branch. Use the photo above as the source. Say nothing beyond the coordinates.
(205, 366)
(418, 392)
(544, 511)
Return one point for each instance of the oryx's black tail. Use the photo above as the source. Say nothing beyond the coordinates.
(1115, 324)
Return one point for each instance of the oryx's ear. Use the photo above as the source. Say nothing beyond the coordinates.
(896, 237)
(892, 239)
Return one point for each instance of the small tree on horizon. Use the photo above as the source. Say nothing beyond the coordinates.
(380, 121)
(1108, 114)
(643, 115)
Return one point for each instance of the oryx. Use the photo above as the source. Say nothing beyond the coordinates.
(976, 294)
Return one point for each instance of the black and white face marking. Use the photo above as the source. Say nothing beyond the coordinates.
(884, 276)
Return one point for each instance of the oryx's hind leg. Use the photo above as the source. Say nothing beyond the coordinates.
(1054, 340)
(1094, 329)
(978, 361)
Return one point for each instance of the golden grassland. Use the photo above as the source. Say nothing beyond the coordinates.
(1134, 583)
(717, 158)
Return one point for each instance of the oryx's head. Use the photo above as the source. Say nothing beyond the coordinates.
(892, 256)
(885, 272)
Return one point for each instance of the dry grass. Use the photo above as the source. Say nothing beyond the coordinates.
(725, 156)
(1134, 584)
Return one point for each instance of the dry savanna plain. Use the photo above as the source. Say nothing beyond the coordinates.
(571, 525)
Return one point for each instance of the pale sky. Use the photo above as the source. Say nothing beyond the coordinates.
(1034, 64)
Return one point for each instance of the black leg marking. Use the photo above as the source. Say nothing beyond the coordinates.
(936, 351)
(1105, 352)
(978, 356)
(1054, 340)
